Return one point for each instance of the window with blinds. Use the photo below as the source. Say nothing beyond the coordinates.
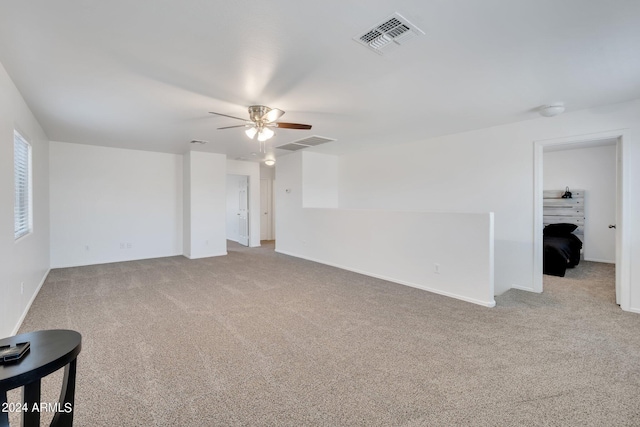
(22, 211)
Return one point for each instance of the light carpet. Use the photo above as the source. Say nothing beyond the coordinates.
(257, 338)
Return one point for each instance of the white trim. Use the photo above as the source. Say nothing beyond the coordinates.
(524, 288)
(492, 261)
(114, 261)
(604, 261)
(23, 237)
(623, 245)
(33, 298)
(206, 256)
(270, 202)
(538, 213)
(489, 304)
(27, 167)
(623, 249)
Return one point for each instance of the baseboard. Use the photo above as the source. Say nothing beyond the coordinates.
(605, 261)
(206, 256)
(33, 298)
(524, 288)
(400, 282)
(113, 261)
(634, 310)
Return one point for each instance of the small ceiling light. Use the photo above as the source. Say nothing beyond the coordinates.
(552, 109)
(251, 132)
(270, 162)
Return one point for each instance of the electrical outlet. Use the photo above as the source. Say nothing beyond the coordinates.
(436, 268)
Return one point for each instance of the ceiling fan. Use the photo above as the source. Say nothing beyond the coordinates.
(261, 121)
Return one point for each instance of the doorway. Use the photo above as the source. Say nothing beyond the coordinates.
(238, 209)
(266, 209)
(622, 248)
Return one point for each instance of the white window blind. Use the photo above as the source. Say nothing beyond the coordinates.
(22, 181)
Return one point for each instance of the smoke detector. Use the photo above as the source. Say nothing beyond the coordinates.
(552, 109)
(388, 34)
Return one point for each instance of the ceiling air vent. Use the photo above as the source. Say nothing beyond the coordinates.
(310, 141)
(388, 34)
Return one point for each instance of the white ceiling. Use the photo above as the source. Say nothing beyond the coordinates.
(143, 74)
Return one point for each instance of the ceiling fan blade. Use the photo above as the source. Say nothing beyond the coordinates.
(226, 115)
(292, 125)
(237, 126)
(272, 115)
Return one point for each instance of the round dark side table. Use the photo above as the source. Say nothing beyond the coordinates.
(49, 351)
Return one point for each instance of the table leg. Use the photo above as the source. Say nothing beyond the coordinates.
(4, 411)
(64, 417)
(31, 396)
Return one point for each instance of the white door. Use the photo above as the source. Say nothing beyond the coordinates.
(243, 210)
(265, 210)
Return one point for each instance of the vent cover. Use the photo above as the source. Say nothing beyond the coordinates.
(388, 34)
(310, 141)
(292, 147)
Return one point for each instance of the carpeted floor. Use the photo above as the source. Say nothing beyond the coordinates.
(258, 338)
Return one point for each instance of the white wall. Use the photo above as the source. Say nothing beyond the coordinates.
(403, 247)
(267, 172)
(111, 204)
(206, 204)
(489, 170)
(319, 180)
(252, 170)
(592, 169)
(26, 260)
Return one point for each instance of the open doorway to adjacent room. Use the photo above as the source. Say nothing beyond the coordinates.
(238, 209)
(580, 182)
(267, 204)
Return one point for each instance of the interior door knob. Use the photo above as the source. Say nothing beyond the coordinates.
(612, 226)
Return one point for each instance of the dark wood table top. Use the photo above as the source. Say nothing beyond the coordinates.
(50, 350)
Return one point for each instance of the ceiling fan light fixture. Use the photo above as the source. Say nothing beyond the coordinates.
(268, 132)
(251, 132)
(261, 121)
(265, 134)
(272, 115)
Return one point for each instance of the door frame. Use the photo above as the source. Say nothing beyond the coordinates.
(248, 208)
(244, 179)
(269, 201)
(623, 248)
